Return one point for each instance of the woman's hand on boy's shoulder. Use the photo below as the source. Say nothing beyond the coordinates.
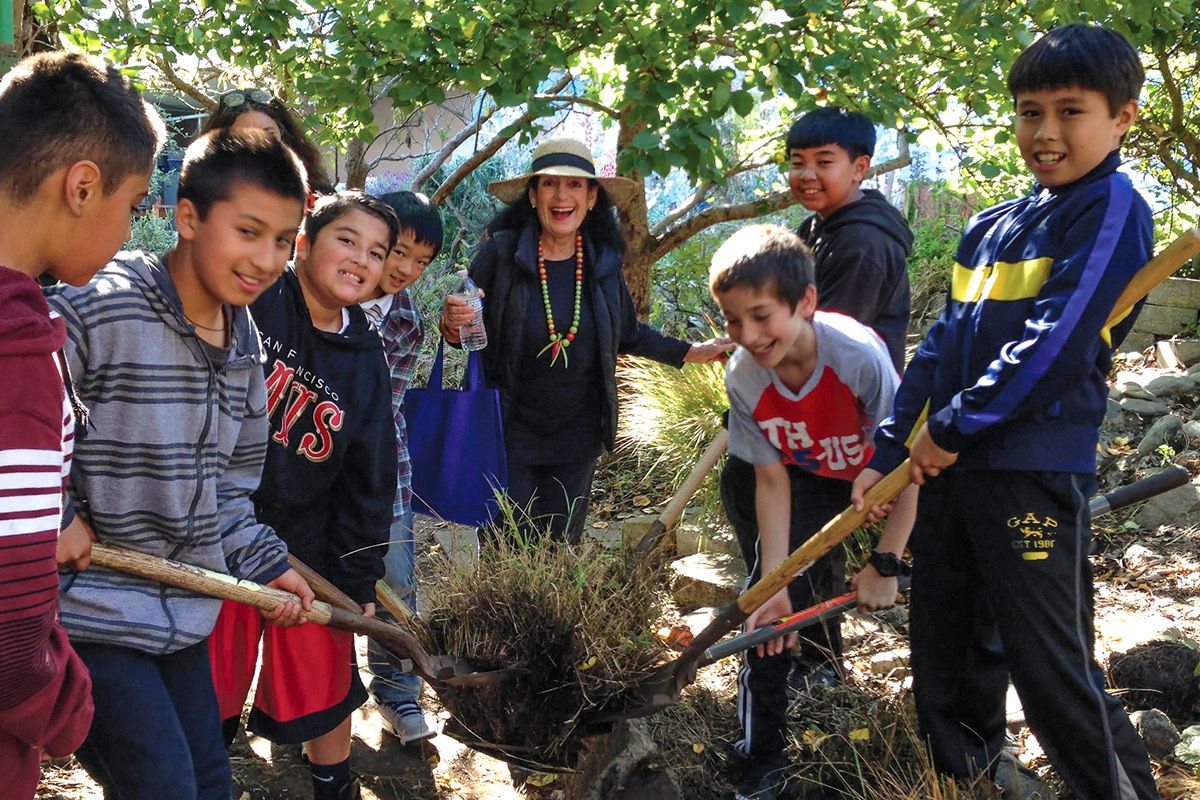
(709, 351)
(288, 614)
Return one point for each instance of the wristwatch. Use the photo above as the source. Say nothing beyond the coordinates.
(888, 565)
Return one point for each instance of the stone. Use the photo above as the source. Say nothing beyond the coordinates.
(637, 526)
(706, 579)
(1145, 408)
(695, 536)
(892, 663)
(1182, 351)
(1191, 430)
(1161, 432)
(1164, 320)
(1136, 342)
(1157, 731)
(1193, 370)
(1170, 386)
(1177, 292)
(1135, 391)
(1113, 411)
(1115, 393)
(1179, 507)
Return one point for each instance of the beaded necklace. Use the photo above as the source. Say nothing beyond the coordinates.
(558, 341)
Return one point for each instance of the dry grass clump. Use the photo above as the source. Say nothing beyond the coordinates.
(571, 615)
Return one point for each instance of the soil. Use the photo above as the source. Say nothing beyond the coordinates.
(835, 732)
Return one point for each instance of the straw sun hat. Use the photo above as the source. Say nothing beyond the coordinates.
(562, 157)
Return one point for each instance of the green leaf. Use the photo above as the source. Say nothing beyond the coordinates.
(743, 103)
(646, 140)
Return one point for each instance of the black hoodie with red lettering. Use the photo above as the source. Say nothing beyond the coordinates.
(330, 472)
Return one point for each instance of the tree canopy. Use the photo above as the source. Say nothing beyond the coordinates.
(683, 82)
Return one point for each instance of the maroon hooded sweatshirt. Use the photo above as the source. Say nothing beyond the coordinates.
(45, 692)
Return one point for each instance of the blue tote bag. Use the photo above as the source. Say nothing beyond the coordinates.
(456, 444)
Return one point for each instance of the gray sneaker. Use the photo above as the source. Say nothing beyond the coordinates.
(406, 721)
(1019, 782)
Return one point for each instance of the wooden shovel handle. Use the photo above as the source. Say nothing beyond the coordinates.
(1157, 269)
(226, 587)
(203, 581)
(323, 587)
(821, 542)
(674, 508)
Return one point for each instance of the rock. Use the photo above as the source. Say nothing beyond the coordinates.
(895, 616)
(695, 536)
(1136, 391)
(706, 579)
(636, 526)
(1145, 408)
(1170, 386)
(1137, 556)
(1164, 320)
(1193, 370)
(1136, 342)
(1181, 351)
(1179, 507)
(891, 662)
(1176, 292)
(1157, 731)
(1113, 411)
(1191, 430)
(1162, 431)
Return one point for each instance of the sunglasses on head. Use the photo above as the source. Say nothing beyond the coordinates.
(240, 97)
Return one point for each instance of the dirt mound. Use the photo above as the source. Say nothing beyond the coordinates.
(1159, 674)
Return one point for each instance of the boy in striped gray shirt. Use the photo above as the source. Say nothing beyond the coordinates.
(168, 359)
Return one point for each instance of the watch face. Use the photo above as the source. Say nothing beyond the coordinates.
(886, 564)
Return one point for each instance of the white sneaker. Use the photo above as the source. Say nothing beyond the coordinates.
(406, 721)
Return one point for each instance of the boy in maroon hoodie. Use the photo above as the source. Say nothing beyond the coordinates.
(77, 145)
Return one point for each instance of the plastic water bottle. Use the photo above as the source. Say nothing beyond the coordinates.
(474, 335)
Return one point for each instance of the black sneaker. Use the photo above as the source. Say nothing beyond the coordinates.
(805, 674)
(763, 780)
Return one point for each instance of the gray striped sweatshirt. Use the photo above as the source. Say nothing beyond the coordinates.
(174, 449)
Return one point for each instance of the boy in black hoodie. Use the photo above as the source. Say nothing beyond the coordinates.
(860, 243)
(327, 487)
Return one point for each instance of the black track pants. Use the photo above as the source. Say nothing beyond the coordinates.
(762, 682)
(1002, 584)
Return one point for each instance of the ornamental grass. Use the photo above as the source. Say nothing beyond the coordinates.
(669, 416)
(572, 615)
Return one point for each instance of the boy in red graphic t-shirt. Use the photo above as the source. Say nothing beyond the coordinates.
(806, 390)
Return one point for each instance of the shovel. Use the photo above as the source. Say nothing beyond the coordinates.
(1115, 500)
(662, 688)
(399, 643)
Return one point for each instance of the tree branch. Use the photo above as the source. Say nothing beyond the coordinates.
(182, 85)
(668, 241)
(448, 149)
(576, 100)
(492, 147)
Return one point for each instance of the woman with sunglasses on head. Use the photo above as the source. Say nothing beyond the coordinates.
(244, 109)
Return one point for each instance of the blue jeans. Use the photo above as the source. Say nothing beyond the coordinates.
(157, 730)
(388, 684)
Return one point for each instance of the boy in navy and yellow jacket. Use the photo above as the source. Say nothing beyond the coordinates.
(999, 413)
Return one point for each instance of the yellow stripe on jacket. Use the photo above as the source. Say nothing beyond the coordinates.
(1000, 281)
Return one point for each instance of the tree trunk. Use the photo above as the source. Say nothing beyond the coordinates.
(635, 225)
(356, 166)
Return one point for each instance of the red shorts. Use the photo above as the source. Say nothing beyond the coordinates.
(308, 683)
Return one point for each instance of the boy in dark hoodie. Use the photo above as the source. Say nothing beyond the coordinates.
(860, 244)
(327, 487)
(77, 144)
(166, 357)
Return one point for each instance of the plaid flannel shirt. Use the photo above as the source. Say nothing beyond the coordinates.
(403, 333)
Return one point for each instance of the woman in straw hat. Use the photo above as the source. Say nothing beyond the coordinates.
(558, 312)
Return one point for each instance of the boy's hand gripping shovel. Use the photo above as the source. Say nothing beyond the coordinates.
(663, 687)
(401, 644)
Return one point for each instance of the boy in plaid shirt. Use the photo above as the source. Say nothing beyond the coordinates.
(393, 312)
